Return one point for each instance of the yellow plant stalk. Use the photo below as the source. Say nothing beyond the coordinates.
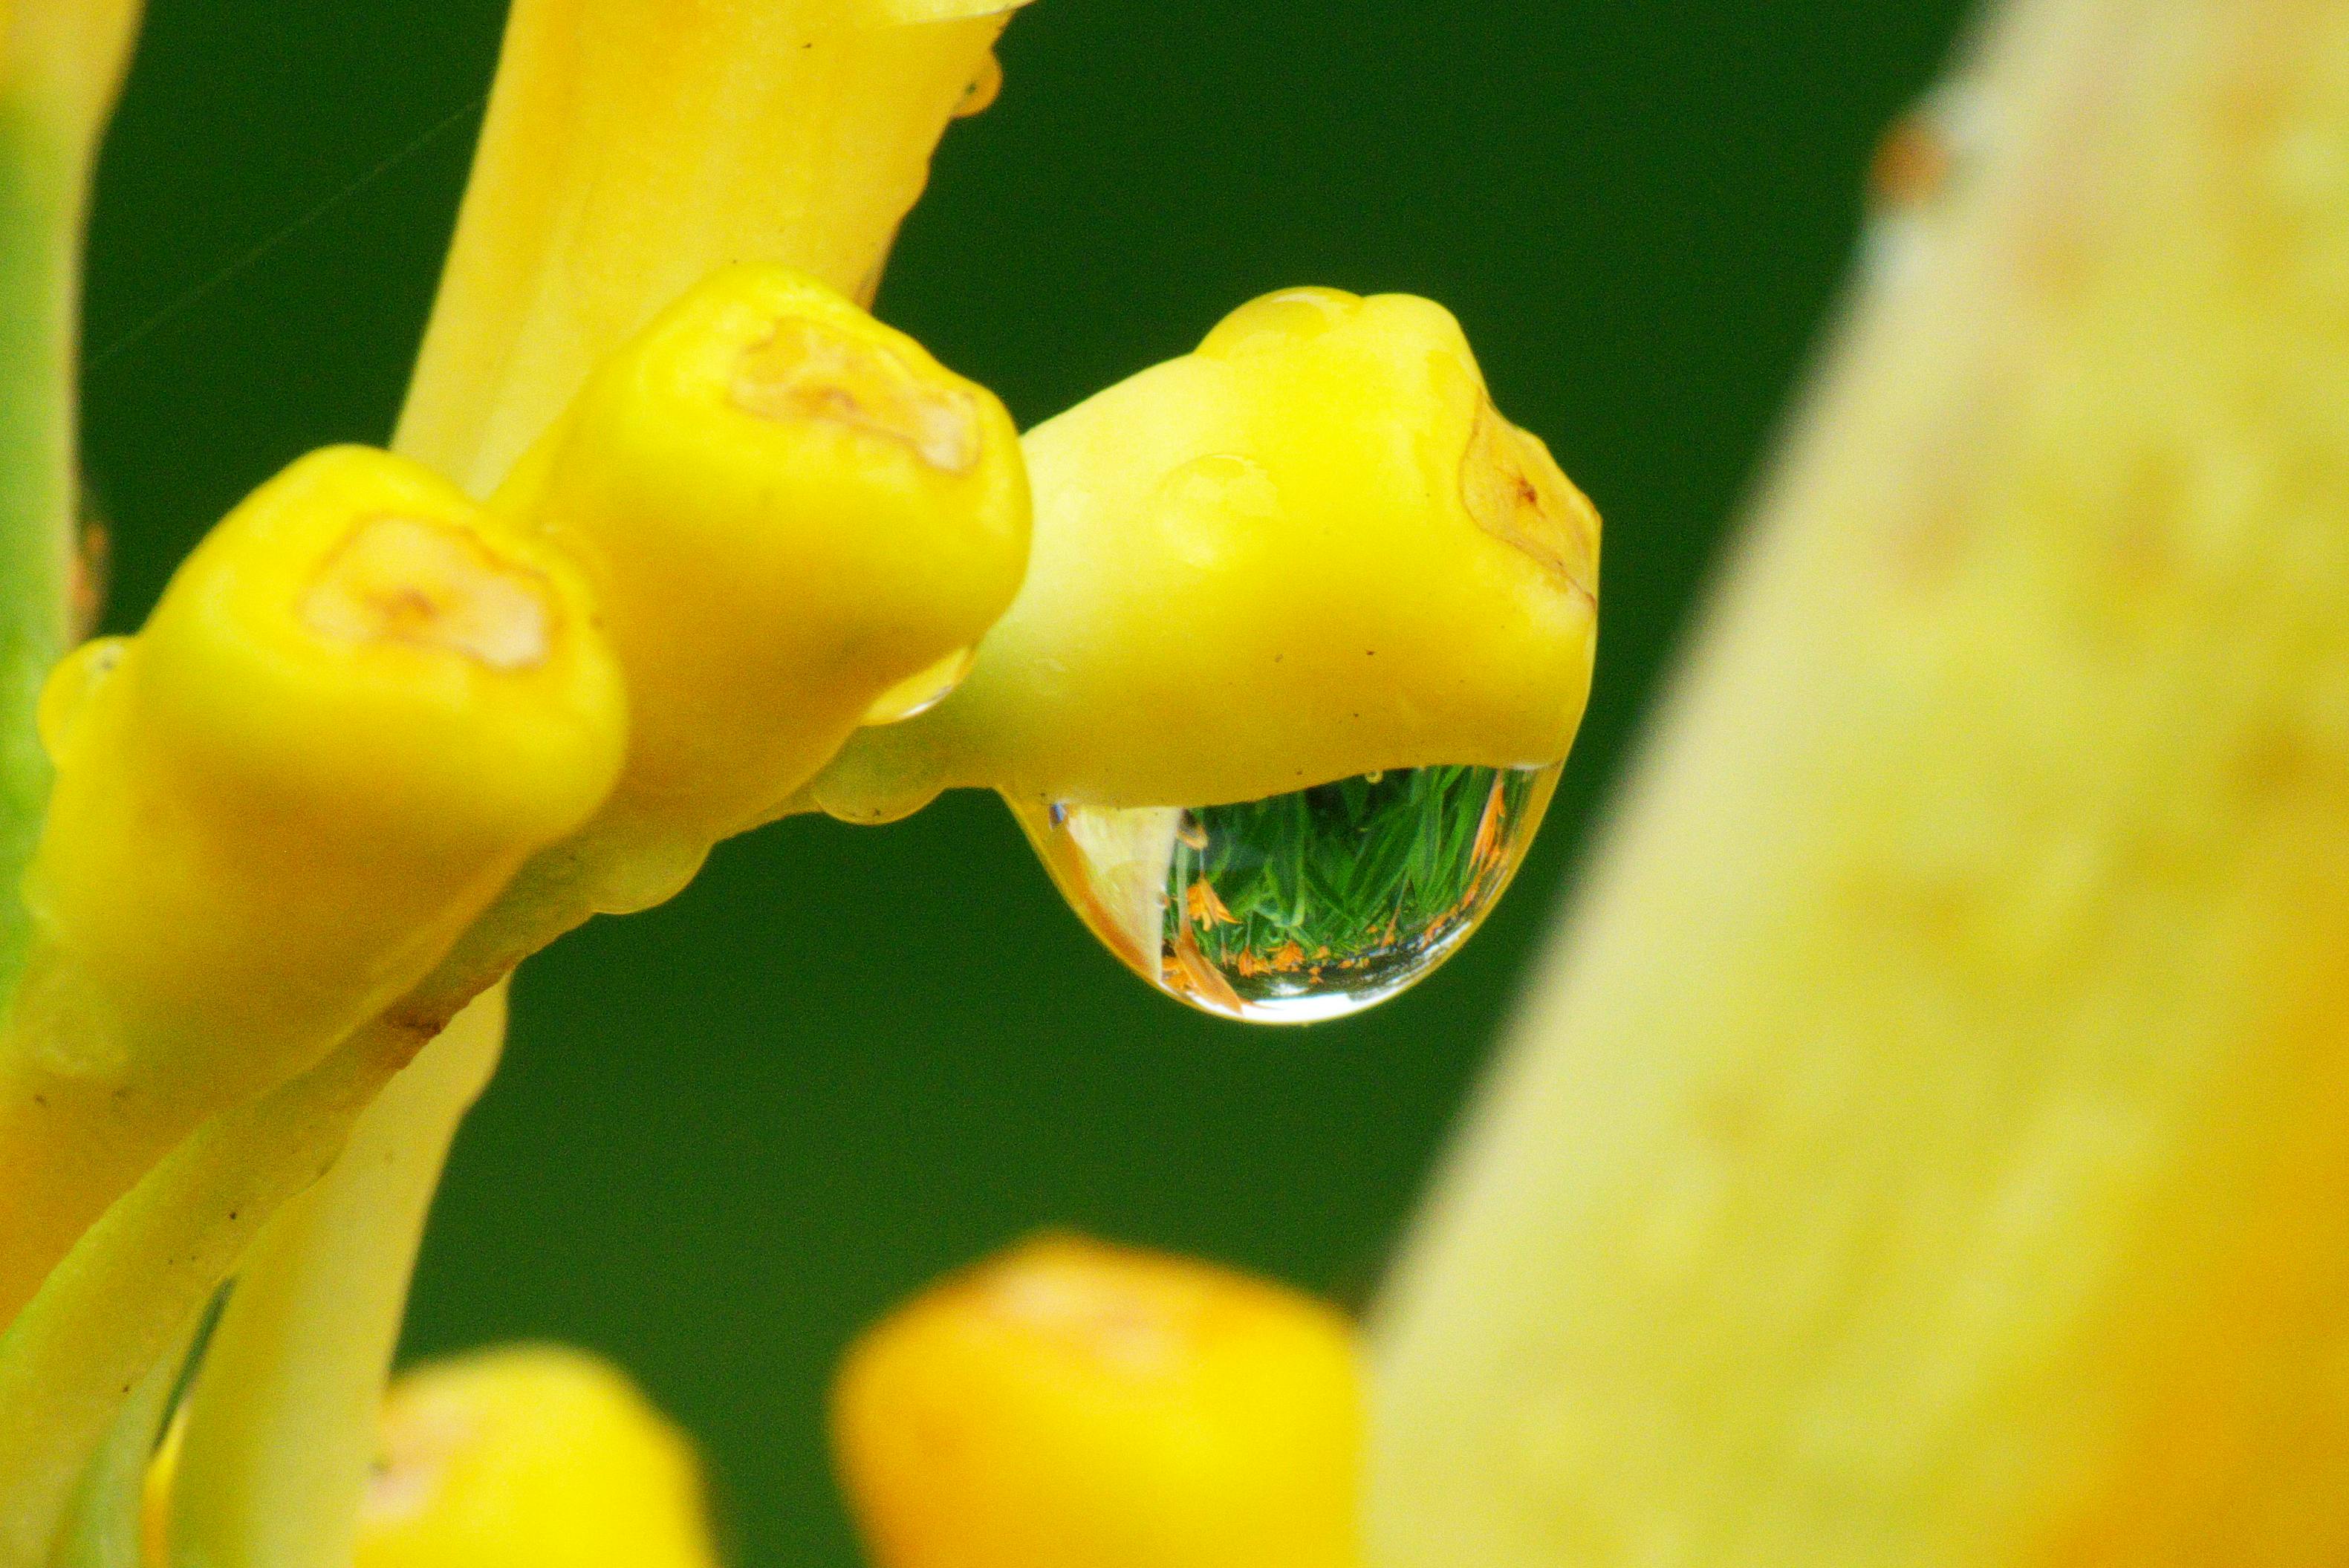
(1928, 1144)
(128, 1294)
(104, 1525)
(1071, 1405)
(260, 1391)
(786, 509)
(353, 713)
(60, 63)
(524, 1456)
(1309, 549)
(634, 146)
(631, 148)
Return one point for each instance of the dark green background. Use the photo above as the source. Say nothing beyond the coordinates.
(731, 1131)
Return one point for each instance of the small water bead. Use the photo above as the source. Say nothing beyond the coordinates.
(921, 691)
(1301, 907)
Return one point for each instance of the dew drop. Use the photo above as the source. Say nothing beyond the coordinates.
(921, 691)
(65, 696)
(1304, 906)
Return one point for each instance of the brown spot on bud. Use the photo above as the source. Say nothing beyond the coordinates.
(92, 573)
(428, 584)
(804, 370)
(1516, 494)
(1913, 163)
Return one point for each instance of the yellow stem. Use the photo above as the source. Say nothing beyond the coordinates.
(116, 1305)
(104, 1527)
(632, 147)
(293, 1372)
(61, 62)
(1930, 1143)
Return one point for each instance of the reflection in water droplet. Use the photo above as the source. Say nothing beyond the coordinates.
(1305, 906)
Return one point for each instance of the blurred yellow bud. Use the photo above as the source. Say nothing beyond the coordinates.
(62, 60)
(1309, 549)
(796, 520)
(1073, 1405)
(525, 1457)
(532, 1457)
(355, 710)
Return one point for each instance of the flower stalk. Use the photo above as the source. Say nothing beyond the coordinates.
(626, 156)
(632, 147)
(135, 1284)
(104, 1524)
(61, 63)
(282, 1379)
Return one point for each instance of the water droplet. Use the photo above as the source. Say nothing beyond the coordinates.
(921, 691)
(65, 696)
(1301, 907)
(984, 88)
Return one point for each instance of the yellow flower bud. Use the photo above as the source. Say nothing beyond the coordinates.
(355, 710)
(1078, 1405)
(529, 1457)
(524, 1456)
(1309, 549)
(796, 520)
